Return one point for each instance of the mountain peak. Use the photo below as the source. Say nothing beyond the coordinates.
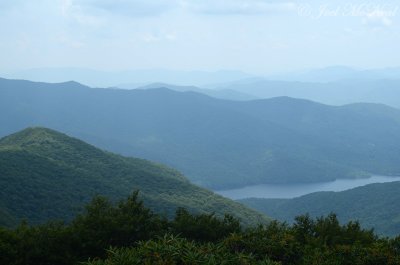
(49, 143)
(32, 136)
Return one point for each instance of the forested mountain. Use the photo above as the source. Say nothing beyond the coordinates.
(48, 175)
(215, 143)
(375, 206)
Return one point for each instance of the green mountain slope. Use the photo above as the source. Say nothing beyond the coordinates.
(375, 206)
(215, 143)
(46, 175)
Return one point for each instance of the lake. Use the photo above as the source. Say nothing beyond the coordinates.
(296, 190)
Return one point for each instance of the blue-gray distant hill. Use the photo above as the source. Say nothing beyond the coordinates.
(216, 93)
(216, 143)
(339, 92)
(98, 78)
(375, 206)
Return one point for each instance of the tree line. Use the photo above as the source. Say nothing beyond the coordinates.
(128, 233)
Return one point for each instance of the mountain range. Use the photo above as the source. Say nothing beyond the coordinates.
(335, 85)
(215, 143)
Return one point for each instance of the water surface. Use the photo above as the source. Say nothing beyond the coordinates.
(296, 190)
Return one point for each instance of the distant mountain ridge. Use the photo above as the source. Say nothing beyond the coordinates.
(215, 143)
(216, 93)
(48, 175)
(339, 92)
(339, 73)
(97, 78)
(375, 206)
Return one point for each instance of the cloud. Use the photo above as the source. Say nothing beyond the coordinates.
(130, 8)
(71, 9)
(380, 18)
(160, 36)
(143, 8)
(239, 7)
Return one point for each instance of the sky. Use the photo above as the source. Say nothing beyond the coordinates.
(255, 36)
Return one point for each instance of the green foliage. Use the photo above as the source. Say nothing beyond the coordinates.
(319, 241)
(121, 225)
(173, 251)
(135, 235)
(327, 232)
(204, 228)
(51, 243)
(274, 240)
(101, 225)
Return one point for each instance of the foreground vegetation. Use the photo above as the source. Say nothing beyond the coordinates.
(129, 233)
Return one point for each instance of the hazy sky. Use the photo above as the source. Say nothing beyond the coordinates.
(257, 36)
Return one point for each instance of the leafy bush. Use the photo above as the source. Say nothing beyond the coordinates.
(205, 227)
(173, 250)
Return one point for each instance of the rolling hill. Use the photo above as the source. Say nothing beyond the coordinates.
(47, 175)
(375, 206)
(215, 143)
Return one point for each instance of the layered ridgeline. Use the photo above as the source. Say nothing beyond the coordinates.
(215, 93)
(385, 91)
(47, 175)
(216, 143)
(375, 206)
